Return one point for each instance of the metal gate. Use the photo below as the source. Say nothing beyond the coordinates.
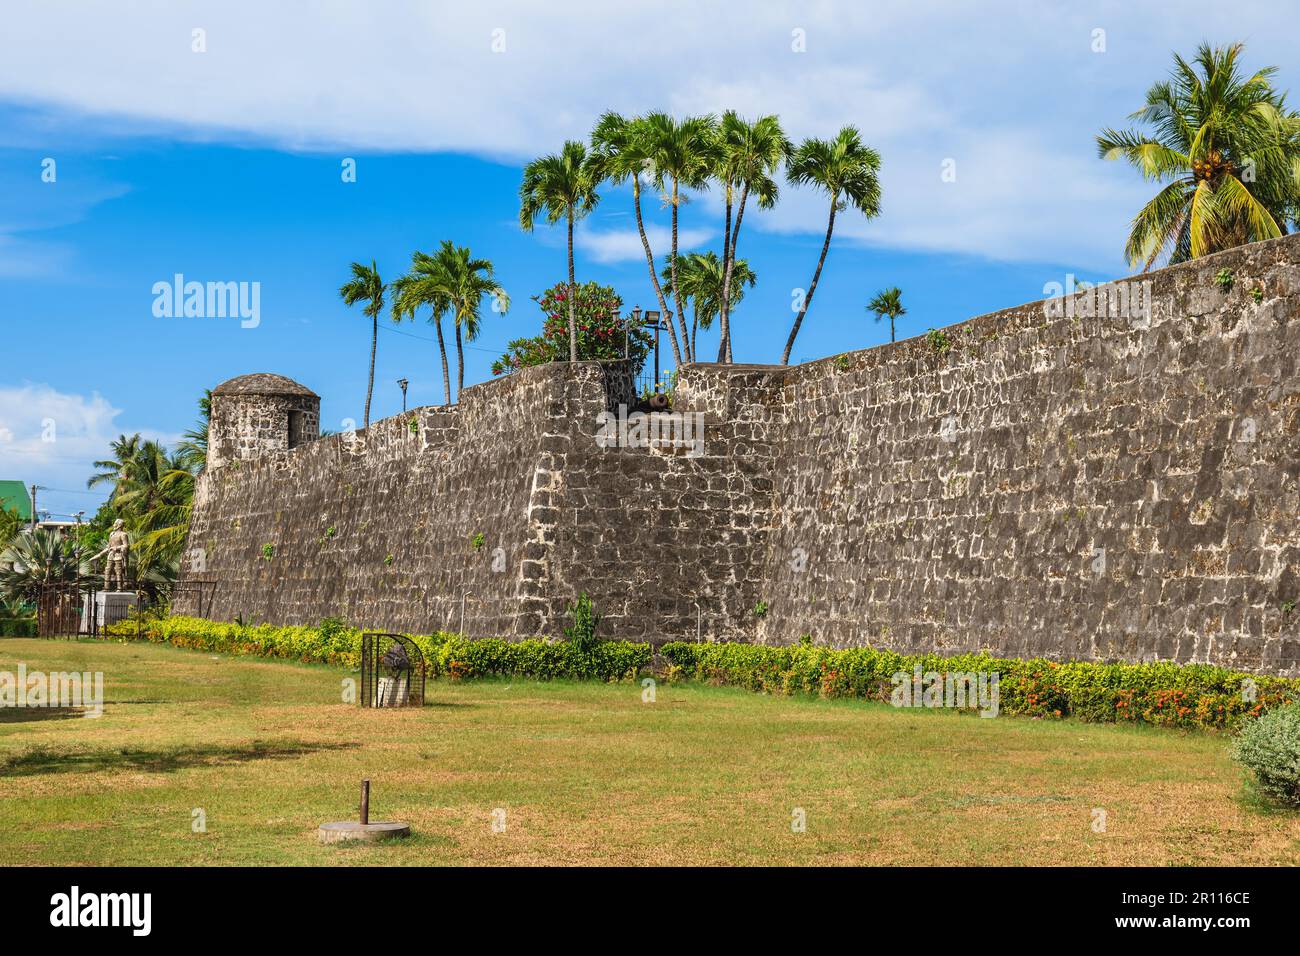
(392, 671)
(60, 610)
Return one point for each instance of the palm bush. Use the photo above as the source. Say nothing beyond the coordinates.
(705, 282)
(39, 559)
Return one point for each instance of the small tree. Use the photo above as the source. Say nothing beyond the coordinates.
(597, 309)
(888, 302)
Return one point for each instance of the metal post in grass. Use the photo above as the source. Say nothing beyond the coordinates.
(363, 829)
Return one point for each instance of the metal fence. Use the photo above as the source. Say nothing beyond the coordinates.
(83, 610)
(59, 610)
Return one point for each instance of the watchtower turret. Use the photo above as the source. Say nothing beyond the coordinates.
(260, 413)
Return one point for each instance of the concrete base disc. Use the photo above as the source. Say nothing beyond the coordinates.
(369, 832)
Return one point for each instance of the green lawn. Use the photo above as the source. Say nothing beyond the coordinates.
(588, 773)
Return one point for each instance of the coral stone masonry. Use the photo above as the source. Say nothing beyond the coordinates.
(256, 414)
(1080, 482)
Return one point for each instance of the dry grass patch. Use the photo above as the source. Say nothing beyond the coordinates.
(587, 773)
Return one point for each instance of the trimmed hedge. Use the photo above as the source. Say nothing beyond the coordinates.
(17, 626)
(447, 655)
(1166, 694)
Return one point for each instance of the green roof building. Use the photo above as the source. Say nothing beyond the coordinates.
(14, 496)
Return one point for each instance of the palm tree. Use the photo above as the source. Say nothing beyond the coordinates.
(888, 302)
(136, 472)
(683, 155)
(621, 151)
(162, 519)
(466, 280)
(425, 285)
(40, 558)
(1228, 150)
(749, 157)
(559, 187)
(703, 282)
(367, 287)
(114, 470)
(845, 170)
(140, 487)
(194, 444)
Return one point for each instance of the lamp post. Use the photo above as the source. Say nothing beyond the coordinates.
(653, 320)
(402, 383)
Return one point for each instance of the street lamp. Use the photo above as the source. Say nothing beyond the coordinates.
(402, 383)
(653, 321)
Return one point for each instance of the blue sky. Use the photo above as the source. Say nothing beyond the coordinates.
(224, 165)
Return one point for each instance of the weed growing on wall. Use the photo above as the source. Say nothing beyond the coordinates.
(582, 633)
(938, 340)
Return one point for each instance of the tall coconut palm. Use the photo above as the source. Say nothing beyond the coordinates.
(161, 520)
(114, 470)
(366, 286)
(621, 151)
(749, 157)
(561, 186)
(703, 282)
(1228, 151)
(135, 472)
(888, 302)
(466, 280)
(141, 486)
(425, 285)
(847, 171)
(683, 156)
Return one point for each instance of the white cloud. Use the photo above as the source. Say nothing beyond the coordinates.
(1013, 93)
(622, 245)
(51, 438)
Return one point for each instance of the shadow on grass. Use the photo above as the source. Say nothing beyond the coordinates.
(38, 760)
(1253, 799)
(141, 700)
(22, 715)
(346, 848)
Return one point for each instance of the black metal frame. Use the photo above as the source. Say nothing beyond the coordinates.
(396, 660)
(71, 610)
(199, 590)
(58, 609)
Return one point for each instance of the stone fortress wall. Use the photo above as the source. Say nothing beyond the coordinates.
(1114, 486)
